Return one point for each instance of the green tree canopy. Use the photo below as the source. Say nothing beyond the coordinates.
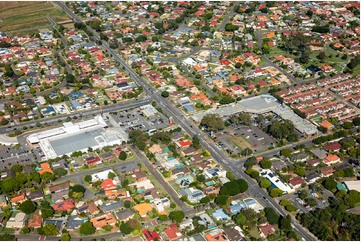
(177, 216)
(213, 122)
(87, 228)
(27, 207)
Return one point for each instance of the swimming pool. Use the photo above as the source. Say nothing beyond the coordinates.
(210, 183)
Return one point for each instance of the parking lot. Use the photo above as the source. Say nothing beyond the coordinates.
(302, 206)
(10, 156)
(136, 119)
(241, 137)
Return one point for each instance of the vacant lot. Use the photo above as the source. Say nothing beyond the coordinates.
(15, 16)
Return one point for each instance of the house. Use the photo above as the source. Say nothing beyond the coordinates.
(247, 203)
(3, 201)
(161, 204)
(326, 124)
(93, 160)
(89, 207)
(312, 177)
(108, 207)
(75, 222)
(45, 167)
(189, 151)
(155, 149)
(320, 153)
(331, 159)
(140, 176)
(172, 232)
(36, 221)
(66, 205)
(327, 171)
(184, 143)
(17, 222)
(59, 187)
(313, 162)
(220, 215)
(204, 219)
(18, 199)
(151, 235)
(193, 195)
(216, 235)
(143, 209)
(124, 215)
(58, 222)
(36, 195)
(300, 157)
(234, 233)
(103, 220)
(108, 184)
(333, 147)
(296, 182)
(266, 230)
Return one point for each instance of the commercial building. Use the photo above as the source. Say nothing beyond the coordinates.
(276, 181)
(262, 104)
(72, 137)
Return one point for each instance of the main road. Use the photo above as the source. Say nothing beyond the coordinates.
(108, 108)
(188, 126)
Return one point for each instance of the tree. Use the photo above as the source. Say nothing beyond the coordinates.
(286, 152)
(300, 171)
(127, 204)
(285, 223)
(17, 168)
(303, 194)
(330, 184)
(165, 94)
(196, 142)
(87, 228)
(246, 152)
(27, 207)
(205, 200)
(176, 216)
(271, 215)
(163, 217)
(60, 172)
(212, 122)
(141, 38)
(46, 210)
(49, 229)
(230, 176)
(125, 228)
(65, 237)
(311, 201)
(240, 219)
(123, 155)
(70, 78)
(265, 163)
(275, 192)
(234, 187)
(201, 178)
(7, 237)
(264, 183)
(87, 178)
(222, 200)
(348, 125)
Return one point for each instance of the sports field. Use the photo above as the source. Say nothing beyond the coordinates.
(27, 16)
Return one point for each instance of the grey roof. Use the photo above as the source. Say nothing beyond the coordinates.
(125, 214)
(58, 222)
(262, 104)
(112, 206)
(2, 198)
(319, 153)
(36, 195)
(74, 222)
(131, 166)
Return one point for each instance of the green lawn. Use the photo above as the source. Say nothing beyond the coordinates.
(241, 142)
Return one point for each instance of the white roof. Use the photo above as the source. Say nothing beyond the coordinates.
(353, 185)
